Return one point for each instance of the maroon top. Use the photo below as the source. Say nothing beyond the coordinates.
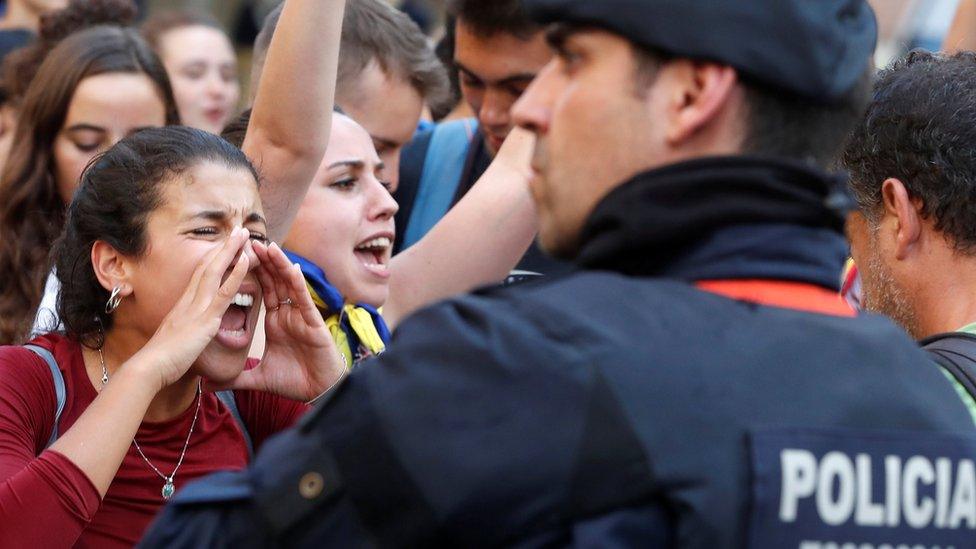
(47, 501)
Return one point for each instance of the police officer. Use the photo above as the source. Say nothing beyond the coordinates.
(697, 383)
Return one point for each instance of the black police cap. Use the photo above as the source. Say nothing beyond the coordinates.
(818, 49)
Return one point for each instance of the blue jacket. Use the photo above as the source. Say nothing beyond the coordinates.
(621, 406)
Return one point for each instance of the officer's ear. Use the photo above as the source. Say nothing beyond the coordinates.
(904, 214)
(703, 93)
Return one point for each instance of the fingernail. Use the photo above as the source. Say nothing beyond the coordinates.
(234, 231)
(245, 232)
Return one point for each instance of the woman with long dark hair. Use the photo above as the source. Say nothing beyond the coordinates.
(96, 87)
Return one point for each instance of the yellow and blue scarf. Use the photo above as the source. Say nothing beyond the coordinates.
(359, 330)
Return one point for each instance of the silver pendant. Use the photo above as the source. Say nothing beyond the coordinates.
(168, 489)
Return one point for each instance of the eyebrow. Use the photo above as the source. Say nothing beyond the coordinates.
(220, 215)
(382, 141)
(558, 34)
(194, 63)
(92, 128)
(355, 164)
(520, 78)
(86, 127)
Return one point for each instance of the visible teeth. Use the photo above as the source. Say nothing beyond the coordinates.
(243, 300)
(381, 242)
(234, 333)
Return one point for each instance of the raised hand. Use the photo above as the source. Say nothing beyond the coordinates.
(300, 359)
(195, 319)
(516, 152)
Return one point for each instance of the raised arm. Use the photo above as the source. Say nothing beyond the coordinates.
(962, 33)
(292, 113)
(476, 243)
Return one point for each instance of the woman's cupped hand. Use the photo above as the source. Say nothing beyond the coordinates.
(195, 319)
(300, 359)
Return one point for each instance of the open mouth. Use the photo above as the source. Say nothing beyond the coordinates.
(496, 141)
(235, 324)
(374, 254)
(215, 114)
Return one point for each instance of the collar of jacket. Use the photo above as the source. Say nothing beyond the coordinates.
(723, 218)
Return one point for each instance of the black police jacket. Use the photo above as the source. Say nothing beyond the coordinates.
(621, 406)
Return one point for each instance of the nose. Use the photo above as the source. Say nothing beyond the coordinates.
(382, 206)
(495, 107)
(252, 258)
(215, 85)
(533, 110)
(248, 250)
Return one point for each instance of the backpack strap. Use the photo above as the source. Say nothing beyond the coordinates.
(412, 159)
(60, 392)
(441, 175)
(956, 352)
(227, 397)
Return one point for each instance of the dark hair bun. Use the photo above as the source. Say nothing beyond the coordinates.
(20, 66)
(82, 14)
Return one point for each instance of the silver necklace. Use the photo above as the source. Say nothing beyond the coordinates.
(168, 486)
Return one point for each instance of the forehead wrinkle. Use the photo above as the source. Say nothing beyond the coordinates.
(210, 201)
(213, 214)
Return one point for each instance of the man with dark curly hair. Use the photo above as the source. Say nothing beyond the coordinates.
(914, 237)
(913, 174)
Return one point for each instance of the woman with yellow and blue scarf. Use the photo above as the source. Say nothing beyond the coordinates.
(342, 240)
(358, 329)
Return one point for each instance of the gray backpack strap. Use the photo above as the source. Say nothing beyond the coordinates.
(227, 397)
(59, 390)
(956, 352)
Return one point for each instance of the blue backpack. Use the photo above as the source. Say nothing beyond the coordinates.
(443, 162)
